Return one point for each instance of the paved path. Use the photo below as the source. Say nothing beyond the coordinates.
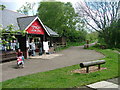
(70, 56)
(110, 84)
(103, 84)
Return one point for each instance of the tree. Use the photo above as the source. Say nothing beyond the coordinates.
(25, 9)
(51, 14)
(102, 14)
(60, 17)
(92, 36)
(9, 33)
(114, 30)
(2, 7)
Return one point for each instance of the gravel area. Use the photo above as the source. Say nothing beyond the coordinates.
(91, 69)
(70, 56)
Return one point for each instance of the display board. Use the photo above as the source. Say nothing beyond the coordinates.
(36, 28)
(45, 46)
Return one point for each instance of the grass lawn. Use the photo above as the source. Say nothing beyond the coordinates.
(64, 78)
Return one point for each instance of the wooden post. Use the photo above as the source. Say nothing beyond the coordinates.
(87, 43)
(99, 66)
(22, 44)
(87, 69)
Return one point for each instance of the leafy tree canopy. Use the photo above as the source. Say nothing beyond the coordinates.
(2, 7)
(60, 17)
(27, 8)
(9, 33)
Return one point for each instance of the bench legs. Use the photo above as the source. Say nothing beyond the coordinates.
(87, 69)
(98, 66)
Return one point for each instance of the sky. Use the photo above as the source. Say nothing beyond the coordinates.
(16, 4)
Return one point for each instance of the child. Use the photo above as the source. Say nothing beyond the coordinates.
(20, 58)
(20, 61)
(19, 53)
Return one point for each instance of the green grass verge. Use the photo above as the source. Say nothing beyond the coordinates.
(64, 78)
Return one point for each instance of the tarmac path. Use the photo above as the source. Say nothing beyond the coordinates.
(71, 56)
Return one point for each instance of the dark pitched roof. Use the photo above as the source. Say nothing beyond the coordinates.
(8, 17)
(23, 22)
(20, 21)
(50, 31)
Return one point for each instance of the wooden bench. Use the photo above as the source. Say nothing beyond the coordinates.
(91, 63)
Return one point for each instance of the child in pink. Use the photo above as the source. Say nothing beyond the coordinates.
(20, 60)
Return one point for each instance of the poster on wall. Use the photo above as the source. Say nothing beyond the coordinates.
(45, 46)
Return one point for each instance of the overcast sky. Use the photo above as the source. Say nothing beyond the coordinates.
(16, 4)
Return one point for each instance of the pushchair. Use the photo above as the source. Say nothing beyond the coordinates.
(20, 61)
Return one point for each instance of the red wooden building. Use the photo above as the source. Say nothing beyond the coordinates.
(35, 30)
(32, 24)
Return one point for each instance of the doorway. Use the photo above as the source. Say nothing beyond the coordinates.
(37, 40)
